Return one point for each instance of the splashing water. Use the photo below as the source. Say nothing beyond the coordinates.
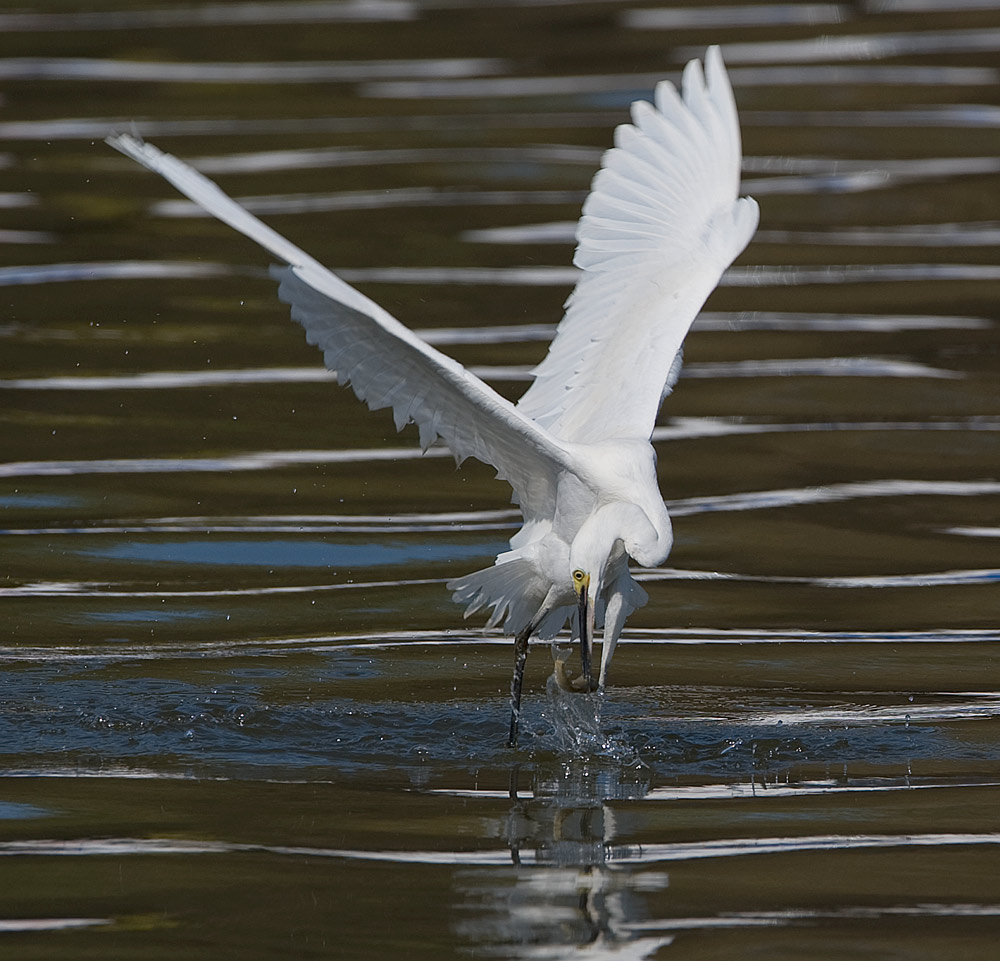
(576, 722)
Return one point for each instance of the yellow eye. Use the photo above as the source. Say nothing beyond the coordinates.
(578, 576)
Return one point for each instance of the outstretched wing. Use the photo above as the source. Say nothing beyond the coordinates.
(386, 364)
(661, 224)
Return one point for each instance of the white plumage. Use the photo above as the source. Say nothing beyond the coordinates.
(661, 224)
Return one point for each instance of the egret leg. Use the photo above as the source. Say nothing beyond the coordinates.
(520, 656)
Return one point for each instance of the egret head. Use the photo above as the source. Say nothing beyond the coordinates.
(609, 534)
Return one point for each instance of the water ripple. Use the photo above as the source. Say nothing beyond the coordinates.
(974, 531)
(922, 579)
(964, 115)
(439, 522)
(378, 200)
(877, 46)
(316, 157)
(270, 72)
(21, 925)
(817, 367)
(183, 379)
(109, 270)
(250, 460)
(530, 276)
(96, 128)
(794, 276)
(729, 17)
(646, 854)
(751, 789)
(625, 87)
(975, 234)
(832, 493)
(233, 14)
(707, 427)
(905, 235)
(121, 651)
(689, 428)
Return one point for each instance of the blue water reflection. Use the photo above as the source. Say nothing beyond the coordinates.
(294, 553)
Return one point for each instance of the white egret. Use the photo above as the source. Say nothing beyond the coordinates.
(662, 222)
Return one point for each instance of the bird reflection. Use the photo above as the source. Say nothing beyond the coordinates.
(576, 892)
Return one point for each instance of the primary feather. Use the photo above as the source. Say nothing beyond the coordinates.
(661, 224)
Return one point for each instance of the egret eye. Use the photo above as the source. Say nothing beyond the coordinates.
(578, 575)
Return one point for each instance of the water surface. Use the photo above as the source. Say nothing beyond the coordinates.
(239, 715)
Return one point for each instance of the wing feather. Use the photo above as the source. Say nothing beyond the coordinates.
(385, 363)
(661, 224)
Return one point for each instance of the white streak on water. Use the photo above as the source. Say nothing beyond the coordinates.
(21, 925)
(460, 521)
(795, 276)
(987, 575)
(26, 237)
(320, 157)
(750, 789)
(101, 590)
(835, 323)
(633, 85)
(917, 235)
(532, 276)
(254, 460)
(10, 200)
(281, 204)
(98, 590)
(109, 270)
(817, 367)
(762, 500)
(752, 276)
(691, 428)
(308, 71)
(978, 706)
(172, 379)
(969, 116)
(507, 334)
(646, 854)
(794, 916)
(253, 13)
(182, 379)
(973, 234)
(96, 128)
(408, 640)
(876, 46)
(727, 17)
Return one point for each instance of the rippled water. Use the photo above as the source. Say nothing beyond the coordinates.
(239, 715)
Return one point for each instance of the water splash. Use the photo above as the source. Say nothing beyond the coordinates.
(576, 724)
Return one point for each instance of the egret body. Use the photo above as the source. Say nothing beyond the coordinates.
(662, 222)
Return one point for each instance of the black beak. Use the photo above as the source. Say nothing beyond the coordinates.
(583, 604)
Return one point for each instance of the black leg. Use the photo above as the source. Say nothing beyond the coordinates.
(520, 656)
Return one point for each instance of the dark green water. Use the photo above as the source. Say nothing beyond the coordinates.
(239, 715)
